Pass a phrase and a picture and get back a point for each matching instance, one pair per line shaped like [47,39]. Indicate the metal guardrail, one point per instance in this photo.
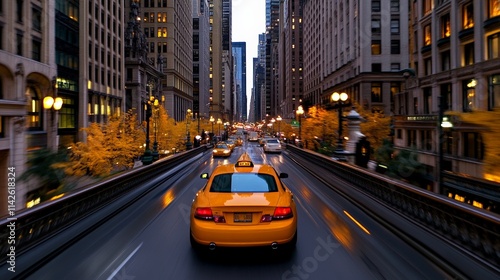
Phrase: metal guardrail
[34,225]
[474,229]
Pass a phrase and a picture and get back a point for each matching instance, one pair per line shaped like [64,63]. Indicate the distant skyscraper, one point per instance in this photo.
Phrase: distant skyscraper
[201,59]
[240,77]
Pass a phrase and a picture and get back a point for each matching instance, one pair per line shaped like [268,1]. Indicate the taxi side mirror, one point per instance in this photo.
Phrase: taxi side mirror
[283,175]
[204,176]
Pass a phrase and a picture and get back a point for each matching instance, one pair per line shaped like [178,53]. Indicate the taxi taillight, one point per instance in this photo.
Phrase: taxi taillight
[281,213]
[205,213]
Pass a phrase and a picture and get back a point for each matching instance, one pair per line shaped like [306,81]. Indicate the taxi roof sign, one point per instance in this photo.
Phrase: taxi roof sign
[244,161]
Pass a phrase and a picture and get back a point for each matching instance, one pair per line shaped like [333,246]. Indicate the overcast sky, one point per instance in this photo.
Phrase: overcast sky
[248,21]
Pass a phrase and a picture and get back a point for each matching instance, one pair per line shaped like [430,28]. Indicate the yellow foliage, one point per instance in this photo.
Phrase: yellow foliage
[109,147]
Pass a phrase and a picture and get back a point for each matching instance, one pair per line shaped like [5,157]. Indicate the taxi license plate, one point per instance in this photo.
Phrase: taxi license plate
[242,217]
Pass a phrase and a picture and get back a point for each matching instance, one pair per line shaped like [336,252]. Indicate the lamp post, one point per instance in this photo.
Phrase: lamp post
[156,112]
[279,126]
[443,123]
[219,122]
[212,120]
[189,144]
[300,112]
[53,104]
[272,124]
[147,157]
[340,98]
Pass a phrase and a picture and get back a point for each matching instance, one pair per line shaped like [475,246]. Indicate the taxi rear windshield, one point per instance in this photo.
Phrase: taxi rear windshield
[229,183]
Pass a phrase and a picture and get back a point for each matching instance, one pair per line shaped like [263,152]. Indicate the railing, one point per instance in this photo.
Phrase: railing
[474,229]
[34,225]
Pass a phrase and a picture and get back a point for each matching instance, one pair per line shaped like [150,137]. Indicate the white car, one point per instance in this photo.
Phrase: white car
[272,145]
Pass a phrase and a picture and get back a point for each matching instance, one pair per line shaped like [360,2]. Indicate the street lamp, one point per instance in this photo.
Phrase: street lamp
[189,115]
[147,157]
[219,122]
[279,126]
[156,114]
[52,104]
[300,112]
[340,98]
[272,124]
[212,120]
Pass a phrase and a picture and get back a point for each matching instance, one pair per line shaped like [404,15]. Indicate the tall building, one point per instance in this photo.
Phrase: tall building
[201,59]
[143,75]
[101,60]
[272,62]
[357,49]
[454,73]
[216,91]
[168,27]
[257,101]
[291,67]
[228,87]
[240,81]
[28,74]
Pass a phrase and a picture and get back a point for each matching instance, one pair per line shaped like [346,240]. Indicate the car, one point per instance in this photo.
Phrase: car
[243,205]
[230,143]
[221,150]
[272,145]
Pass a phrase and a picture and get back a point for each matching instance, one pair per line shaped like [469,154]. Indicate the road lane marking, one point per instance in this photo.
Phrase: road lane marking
[124,262]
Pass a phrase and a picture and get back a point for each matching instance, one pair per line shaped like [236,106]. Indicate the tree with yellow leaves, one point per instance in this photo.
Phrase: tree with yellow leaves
[109,147]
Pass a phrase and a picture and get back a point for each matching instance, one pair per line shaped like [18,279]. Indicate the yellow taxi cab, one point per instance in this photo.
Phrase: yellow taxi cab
[230,143]
[239,141]
[243,205]
[221,149]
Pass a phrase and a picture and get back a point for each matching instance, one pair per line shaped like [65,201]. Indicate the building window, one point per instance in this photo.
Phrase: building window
[395,47]
[394,6]
[376,67]
[19,44]
[427,35]
[376,6]
[494,92]
[445,26]
[36,52]
[394,26]
[428,66]
[411,140]
[34,110]
[376,29]
[67,114]
[395,89]
[376,92]
[19,11]
[447,97]
[427,6]
[469,93]
[427,101]
[468,56]
[494,46]
[473,145]
[445,61]
[36,19]
[426,140]
[2,133]
[468,16]
[395,67]
[494,8]
[376,47]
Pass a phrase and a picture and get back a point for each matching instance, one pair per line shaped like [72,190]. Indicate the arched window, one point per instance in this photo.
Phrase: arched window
[34,109]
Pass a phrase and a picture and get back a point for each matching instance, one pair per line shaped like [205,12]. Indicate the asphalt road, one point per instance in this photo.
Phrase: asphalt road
[150,240]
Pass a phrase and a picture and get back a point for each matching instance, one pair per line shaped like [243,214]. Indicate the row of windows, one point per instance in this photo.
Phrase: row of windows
[150,17]
[467,11]
[151,3]
[467,55]
[161,32]
[377,47]
[471,144]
